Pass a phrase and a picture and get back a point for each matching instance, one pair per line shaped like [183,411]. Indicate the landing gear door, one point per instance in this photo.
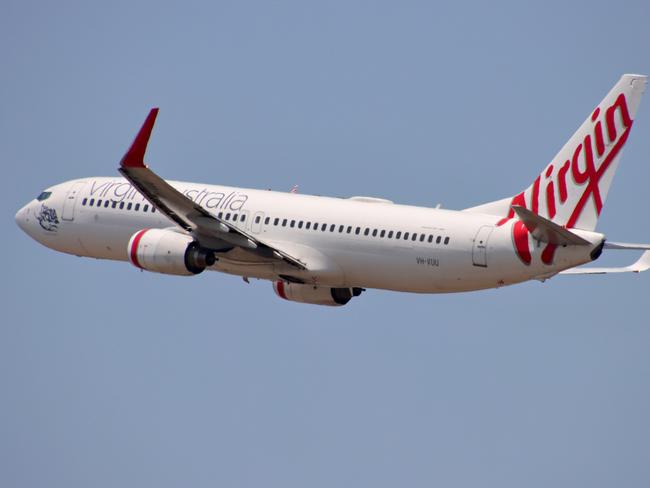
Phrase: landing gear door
[479,251]
[70,201]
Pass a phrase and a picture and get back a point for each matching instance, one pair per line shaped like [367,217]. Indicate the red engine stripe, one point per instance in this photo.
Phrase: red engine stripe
[280,287]
[133,254]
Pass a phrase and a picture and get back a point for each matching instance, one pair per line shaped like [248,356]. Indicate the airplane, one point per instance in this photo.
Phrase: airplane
[325,251]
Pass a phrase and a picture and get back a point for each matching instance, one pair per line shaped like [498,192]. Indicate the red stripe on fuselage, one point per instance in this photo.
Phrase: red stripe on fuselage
[520,238]
[548,253]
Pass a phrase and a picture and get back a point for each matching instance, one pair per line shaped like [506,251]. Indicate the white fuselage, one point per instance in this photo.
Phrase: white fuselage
[358,242]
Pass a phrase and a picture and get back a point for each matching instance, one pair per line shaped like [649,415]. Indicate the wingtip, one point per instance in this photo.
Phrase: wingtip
[643,263]
[134,157]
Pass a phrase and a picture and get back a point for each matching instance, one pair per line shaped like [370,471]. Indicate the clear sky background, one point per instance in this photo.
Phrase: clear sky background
[110,377]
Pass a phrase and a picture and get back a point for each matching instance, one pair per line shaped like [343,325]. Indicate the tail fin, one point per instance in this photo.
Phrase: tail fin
[572,189]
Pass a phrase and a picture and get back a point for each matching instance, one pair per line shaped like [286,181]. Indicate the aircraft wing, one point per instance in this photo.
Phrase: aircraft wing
[207,228]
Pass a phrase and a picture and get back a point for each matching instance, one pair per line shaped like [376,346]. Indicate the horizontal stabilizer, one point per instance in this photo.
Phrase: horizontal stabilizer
[546,231]
[642,264]
[625,245]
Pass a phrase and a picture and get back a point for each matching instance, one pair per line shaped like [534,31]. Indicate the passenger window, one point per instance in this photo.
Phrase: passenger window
[137,207]
[315,225]
[366,232]
[99,203]
[398,235]
[446,240]
[284,222]
[323,227]
[83,202]
[228,216]
[430,238]
[243,218]
[300,224]
[267,220]
[357,230]
[92,202]
[438,239]
[332,227]
[382,233]
[308,225]
[106,203]
[422,236]
[390,234]
[374,233]
[144,209]
[257,219]
[293,224]
[341,229]
[276,221]
[234,217]
[406,236]
[220,215]
[349,229]
[114,204]
[128,207]
[415,237]
[153,209]
[121,205]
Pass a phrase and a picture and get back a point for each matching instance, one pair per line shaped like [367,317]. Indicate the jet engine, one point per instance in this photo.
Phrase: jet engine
[169,252]
[316,295]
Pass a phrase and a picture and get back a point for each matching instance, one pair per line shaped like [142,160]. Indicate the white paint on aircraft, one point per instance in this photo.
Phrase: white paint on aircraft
[325,250]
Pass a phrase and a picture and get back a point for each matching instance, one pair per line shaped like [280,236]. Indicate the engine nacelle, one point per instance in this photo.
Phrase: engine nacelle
[168,252]
[316,295]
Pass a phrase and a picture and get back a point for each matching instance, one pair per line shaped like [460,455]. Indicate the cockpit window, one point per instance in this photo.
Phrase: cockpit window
[44,196]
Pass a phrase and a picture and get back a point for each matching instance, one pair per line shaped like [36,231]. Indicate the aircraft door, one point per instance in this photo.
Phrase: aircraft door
[256,224]
[479,251]
[70,201]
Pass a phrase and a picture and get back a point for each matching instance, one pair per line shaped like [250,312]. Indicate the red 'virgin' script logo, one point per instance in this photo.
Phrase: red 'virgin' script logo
[589,162]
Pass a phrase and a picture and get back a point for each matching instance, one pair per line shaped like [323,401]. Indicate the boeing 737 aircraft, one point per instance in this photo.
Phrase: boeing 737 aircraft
[324,250]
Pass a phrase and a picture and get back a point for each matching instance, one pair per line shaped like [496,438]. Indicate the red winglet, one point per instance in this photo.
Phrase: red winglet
[134,157]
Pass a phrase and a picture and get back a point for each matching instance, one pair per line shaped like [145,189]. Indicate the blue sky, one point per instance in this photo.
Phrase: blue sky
[112,377]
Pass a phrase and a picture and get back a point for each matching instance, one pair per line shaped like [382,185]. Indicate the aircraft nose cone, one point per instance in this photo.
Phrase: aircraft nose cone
[22,218]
